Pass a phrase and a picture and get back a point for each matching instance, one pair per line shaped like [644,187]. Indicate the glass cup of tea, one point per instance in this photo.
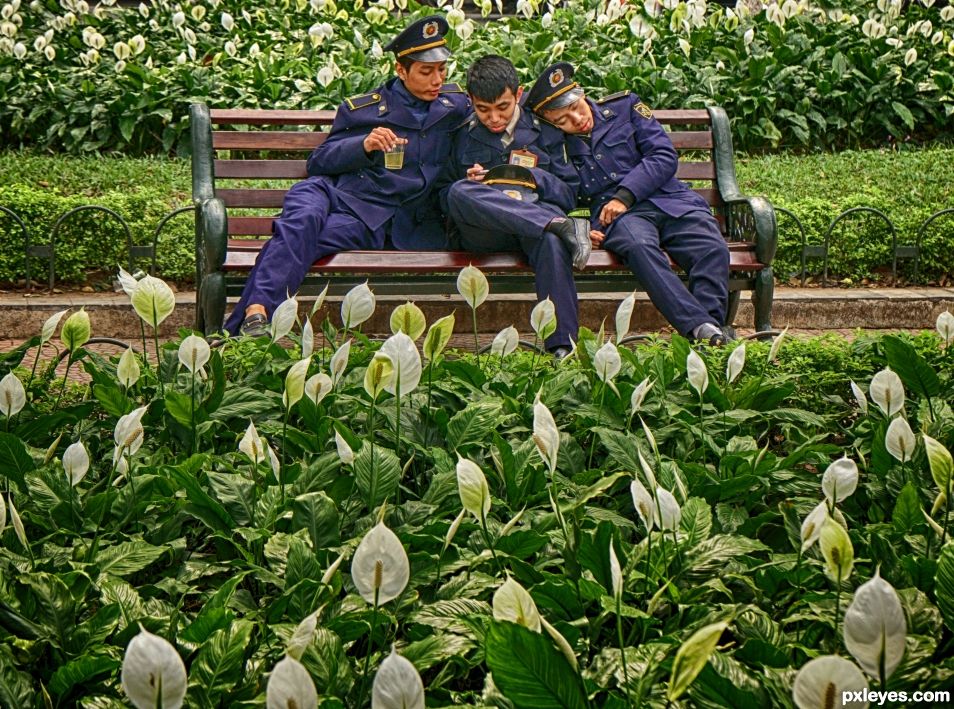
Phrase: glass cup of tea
[394,158]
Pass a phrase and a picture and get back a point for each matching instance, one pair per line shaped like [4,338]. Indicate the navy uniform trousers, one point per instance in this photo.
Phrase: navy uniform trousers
[490,220]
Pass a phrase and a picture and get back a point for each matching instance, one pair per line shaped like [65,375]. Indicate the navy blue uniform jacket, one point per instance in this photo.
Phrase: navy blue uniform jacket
[629,150]
[557,181]
[376,194]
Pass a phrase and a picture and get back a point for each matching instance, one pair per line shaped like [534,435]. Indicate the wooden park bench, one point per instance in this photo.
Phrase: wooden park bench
[268,148]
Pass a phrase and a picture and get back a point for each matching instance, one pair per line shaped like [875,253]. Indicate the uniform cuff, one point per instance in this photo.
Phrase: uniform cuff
[625,196]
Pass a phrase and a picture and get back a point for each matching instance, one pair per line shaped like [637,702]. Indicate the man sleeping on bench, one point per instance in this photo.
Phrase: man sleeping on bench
[361,193]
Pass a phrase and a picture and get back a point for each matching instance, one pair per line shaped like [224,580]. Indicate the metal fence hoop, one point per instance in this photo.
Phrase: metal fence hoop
[803,240]
[71,212]
[920,235]
[26,241]
[844,215]
[155,237]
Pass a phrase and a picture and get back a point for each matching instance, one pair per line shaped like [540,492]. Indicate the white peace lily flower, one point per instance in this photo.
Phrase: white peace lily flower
[397,685]
[75,463]
[407,364]
[607,362]
[376,51]
[138,44]
[119,67]
[12,395]
[940,461]
[887,392]
[644,464]
[947,13]
[472,488]
[49,52]
[178,19]
[910,56]
[307,339]
[295,382]
[128,434]
[543,318]
[684,46]
[3,514]
[345,454]
[812,525]
[153,673]
[777,345]
[284,318]
[875,627]
[153,300]
[937,38]
[331,570]
[859,397]
[228,22]
[251,444]
[230,48]
[357,306]
[466,30]
[17,523]
[197,12]
[318,387]
[505,342]
[837,550]
[127,281]
[194,353]
[748,36]
[122,50]
[325,76]
[409,319]
[945,321]
[512,603]
[616,573]
[624,315]
[696,373]
[339,362]
[644,504]
[840,480]
[667,513]
[380,568]
[120,463]
[900,440]
[75,331]
[39,43]
[735,363]
[639,394]
[546,434]
[290,686]
[950,48]
[273,461]
[825,677]
[473,286]
[455,17]
[379,374]
[302,637]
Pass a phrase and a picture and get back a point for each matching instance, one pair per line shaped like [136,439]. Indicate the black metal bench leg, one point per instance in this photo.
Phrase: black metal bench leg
[762,299]
[732,308]
[210,303]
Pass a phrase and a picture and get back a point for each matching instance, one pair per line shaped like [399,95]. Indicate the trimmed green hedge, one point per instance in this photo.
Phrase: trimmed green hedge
[908,186]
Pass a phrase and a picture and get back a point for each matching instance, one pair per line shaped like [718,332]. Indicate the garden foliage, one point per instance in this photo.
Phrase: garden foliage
[84,77]
[653,526]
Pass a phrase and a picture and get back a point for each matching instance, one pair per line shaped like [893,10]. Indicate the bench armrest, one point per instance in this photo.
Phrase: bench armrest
[211,236]
[752,219]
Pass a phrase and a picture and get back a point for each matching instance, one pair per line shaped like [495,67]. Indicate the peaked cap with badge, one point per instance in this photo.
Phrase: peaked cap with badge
[554,88]
[514,181]
[422,41]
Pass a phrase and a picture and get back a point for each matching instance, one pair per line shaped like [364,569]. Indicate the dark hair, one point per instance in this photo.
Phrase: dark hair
[490,76]
[406,62]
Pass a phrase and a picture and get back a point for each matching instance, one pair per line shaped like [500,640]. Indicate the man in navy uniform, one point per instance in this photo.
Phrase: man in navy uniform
[352,199]
[639,210]
[497,214]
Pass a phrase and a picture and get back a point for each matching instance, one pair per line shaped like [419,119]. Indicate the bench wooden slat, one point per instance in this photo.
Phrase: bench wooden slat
[692,139]
[259,117]
[695,171]
[681,116]
[250,226]
[252,198]
[261,169]
[242,253]
[267,140]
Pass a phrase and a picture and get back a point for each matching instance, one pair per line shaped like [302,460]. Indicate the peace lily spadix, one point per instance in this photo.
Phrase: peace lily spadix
[295,383]
[696,373]
[12,395]
[380,568]
[837,550]
[887,392]
[407,364]
[639,394]
[473,286]
[607,362]
[644,504]
[345,454]
[153,673]
[512,603]
[546,434]
[194,353]
[75,462]
[945,326]
[357,306]
[735,363]
[438,335]
[860,397]
[153,300]
[339,362]
[318,387]
[409,319]
[127,371]
[543,318]
[505,342]
[284,317]
[875,628]
[899,439]
[624,315]
[251,445]
[821,682]
[667,512]
[472,488]
[397,685]
[379,375]
[840,480]
[290,686]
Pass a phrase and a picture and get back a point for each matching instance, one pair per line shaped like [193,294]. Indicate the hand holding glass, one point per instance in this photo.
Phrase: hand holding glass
[394,158]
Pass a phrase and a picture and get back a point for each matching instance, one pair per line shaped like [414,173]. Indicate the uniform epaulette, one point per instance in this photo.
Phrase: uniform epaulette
[470,122]
[613,97]
[451,89]
[364,100]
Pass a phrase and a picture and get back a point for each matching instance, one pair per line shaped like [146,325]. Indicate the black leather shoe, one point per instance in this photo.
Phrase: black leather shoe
[255,325]
[560,353]
[728,332]
[575,235]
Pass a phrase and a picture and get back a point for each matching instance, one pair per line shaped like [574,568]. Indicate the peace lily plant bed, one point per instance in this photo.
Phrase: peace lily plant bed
[314,518]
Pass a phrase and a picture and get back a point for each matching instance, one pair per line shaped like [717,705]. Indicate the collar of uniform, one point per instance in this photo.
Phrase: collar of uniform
[602,120]
[514,120]
[409,99]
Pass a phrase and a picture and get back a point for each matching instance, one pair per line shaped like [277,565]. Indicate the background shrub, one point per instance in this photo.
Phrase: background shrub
[789,73]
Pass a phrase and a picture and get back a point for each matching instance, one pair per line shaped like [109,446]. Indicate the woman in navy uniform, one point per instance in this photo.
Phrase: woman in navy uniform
[351,200]
[492,216]
[638,209]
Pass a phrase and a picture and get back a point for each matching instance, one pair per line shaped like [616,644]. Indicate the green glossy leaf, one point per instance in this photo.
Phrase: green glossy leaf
[316,512]
[473,424]
[127,558]
[15,462]
[907,509]
[530,671]
[915,372]
[944,584]
[80,670]
[692,656]
[378,477]
[220,664]
[696,521]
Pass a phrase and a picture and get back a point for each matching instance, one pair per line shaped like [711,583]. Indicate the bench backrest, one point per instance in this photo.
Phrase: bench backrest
[250,157]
